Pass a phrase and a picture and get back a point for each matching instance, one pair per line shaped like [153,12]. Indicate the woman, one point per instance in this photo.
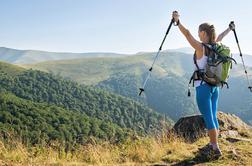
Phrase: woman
[206,95]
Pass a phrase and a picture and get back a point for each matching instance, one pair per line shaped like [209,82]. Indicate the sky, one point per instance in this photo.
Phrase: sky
[120,26]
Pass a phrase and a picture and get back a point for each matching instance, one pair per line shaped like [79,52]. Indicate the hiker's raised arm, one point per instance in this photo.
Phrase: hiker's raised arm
[193,42]
[224,33]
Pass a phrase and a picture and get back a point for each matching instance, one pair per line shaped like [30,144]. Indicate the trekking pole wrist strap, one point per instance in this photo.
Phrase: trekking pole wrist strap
[176,23]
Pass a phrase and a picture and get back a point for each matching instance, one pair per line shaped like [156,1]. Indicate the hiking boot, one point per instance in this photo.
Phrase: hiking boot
[209,152]
[216,153]
[206,148]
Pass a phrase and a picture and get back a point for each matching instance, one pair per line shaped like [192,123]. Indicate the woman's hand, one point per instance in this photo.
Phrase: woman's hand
[175,16]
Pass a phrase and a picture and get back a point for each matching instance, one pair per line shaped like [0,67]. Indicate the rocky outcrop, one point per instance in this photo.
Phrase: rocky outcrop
[192,127]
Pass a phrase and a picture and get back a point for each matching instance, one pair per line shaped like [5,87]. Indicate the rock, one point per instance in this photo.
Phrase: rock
[229,133]
[192,127]
[232,139]
[229,121]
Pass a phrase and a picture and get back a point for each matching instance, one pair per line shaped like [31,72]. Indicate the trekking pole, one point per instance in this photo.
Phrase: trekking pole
[160,48]
[236,38]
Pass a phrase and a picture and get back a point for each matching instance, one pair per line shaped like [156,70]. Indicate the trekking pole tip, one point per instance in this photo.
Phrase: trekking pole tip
[141,90]
[250,88]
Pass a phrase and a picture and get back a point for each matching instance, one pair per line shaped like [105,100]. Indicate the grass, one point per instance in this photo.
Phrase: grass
[141,151]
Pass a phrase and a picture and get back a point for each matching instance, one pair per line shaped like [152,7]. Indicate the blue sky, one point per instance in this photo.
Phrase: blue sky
[122,26]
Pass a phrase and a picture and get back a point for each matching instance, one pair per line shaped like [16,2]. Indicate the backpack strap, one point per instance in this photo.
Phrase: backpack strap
[224,83]
[195,60]
[195,57]
[210,47]
[196,73]
[232,59]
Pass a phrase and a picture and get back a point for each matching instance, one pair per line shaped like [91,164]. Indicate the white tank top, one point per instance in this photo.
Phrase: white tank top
[202,64]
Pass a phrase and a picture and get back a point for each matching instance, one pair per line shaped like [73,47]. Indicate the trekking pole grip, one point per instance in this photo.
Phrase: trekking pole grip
[233,29]
[174,23]
[230,25]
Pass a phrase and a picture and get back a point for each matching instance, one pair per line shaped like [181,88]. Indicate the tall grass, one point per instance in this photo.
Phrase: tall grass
[166,147]
[137,150]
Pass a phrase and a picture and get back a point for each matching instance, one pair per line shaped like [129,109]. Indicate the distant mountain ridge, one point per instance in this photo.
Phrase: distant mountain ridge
[16,56]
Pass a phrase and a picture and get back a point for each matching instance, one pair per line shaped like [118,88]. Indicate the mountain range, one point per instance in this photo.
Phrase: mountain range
[166,91]
[16,56]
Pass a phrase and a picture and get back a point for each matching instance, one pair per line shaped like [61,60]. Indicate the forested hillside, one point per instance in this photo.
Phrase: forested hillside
[40,123]
[33,94]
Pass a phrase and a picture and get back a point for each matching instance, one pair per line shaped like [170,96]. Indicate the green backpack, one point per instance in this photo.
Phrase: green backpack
[216,71]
